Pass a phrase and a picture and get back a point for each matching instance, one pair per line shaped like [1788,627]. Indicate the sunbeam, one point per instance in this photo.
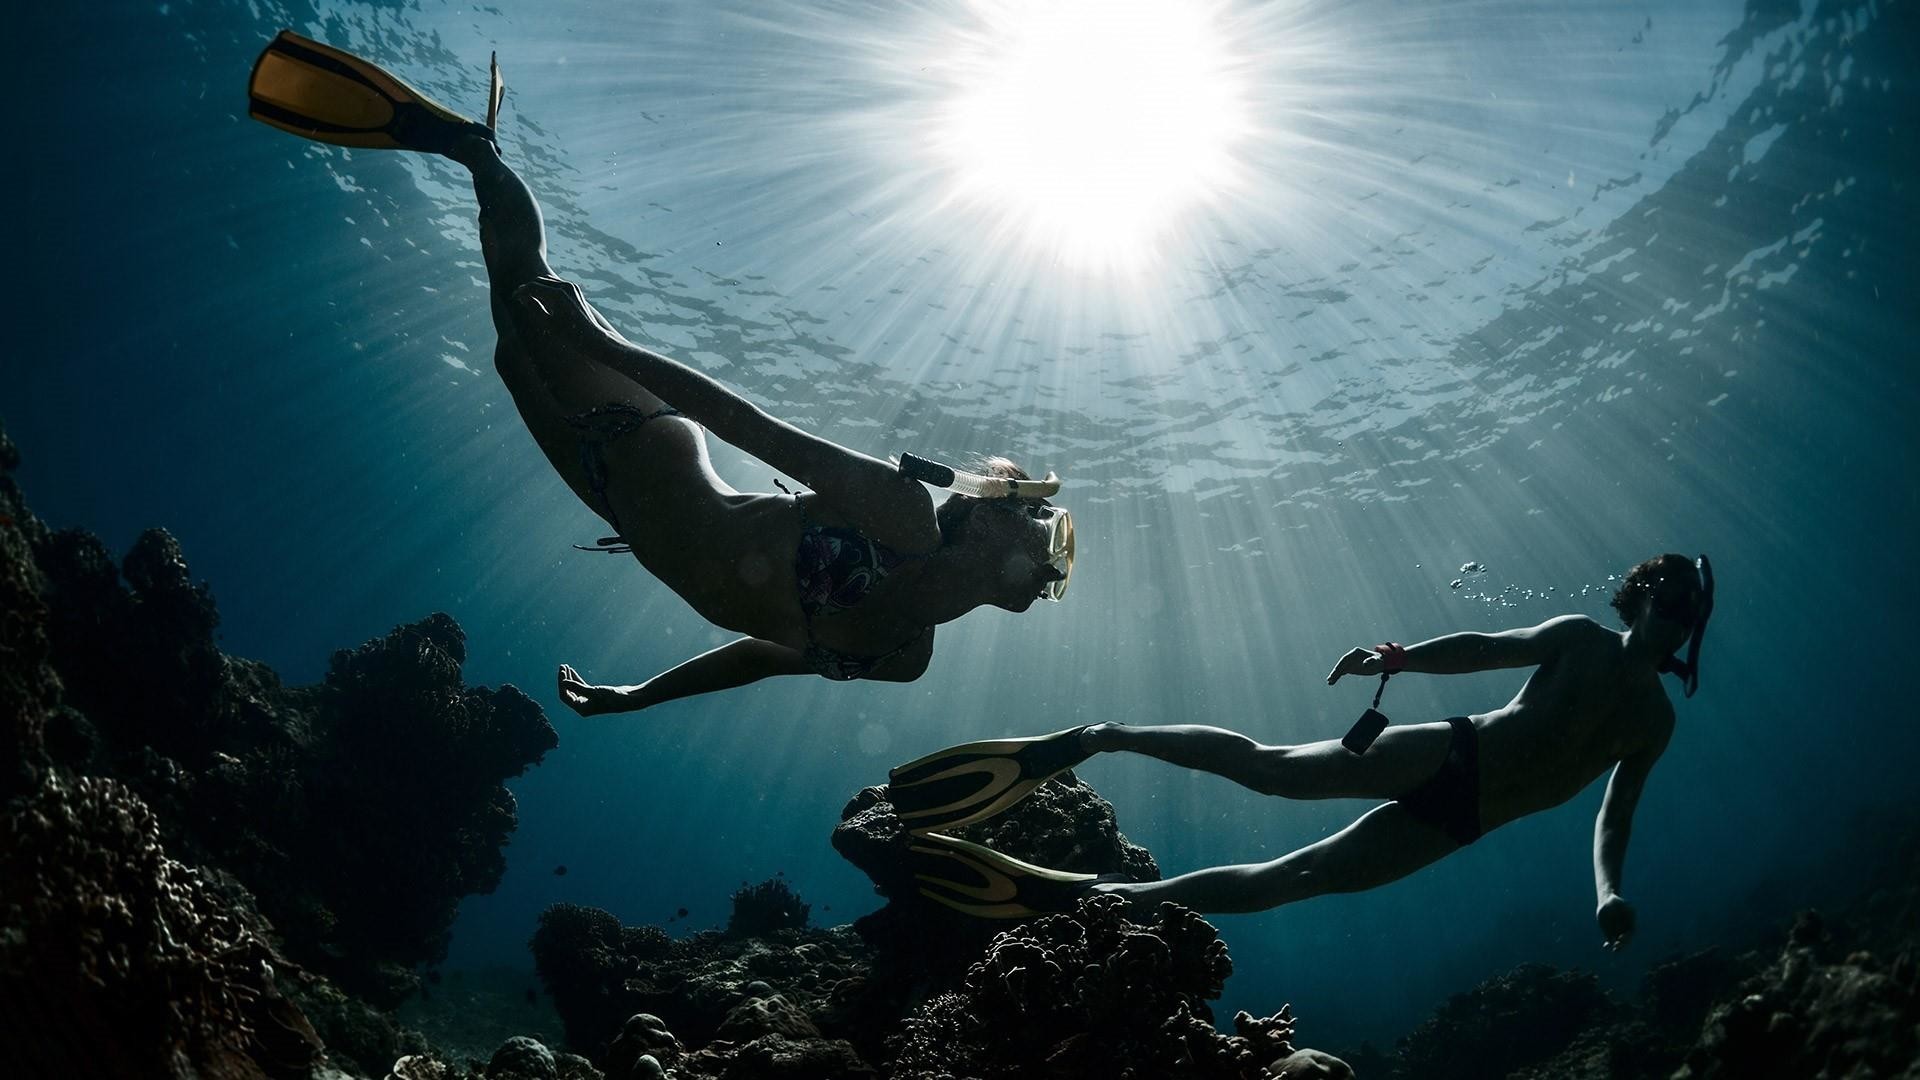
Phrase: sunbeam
[1091,124]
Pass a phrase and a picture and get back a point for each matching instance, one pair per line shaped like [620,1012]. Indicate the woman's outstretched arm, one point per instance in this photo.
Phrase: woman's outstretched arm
[736,663]
[552,315]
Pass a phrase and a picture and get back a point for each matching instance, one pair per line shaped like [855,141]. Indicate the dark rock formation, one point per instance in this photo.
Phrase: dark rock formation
[643,1049]
[775,1057]
[117,960]
[764,908]
[1813,1012]
[1063,824]
[358,812]
[1513,1020]
[1815,1005]
[600,974]
[189,845]
[519,1058]
[1091,994]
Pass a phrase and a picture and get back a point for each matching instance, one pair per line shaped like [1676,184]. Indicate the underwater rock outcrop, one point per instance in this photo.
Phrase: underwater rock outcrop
[1091,994]
[1513,1020]
[518,1058]
[358,812]
[117,960]
[1815,1012]
[625,991]
[191,848]
[1815,1005]
[1064,824]
[764,908]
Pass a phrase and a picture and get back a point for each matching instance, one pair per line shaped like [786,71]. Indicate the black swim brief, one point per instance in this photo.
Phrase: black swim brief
[1450,798]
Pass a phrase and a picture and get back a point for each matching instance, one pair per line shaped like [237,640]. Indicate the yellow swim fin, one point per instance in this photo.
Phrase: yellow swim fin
[974,781]
[326,94]
[979,881]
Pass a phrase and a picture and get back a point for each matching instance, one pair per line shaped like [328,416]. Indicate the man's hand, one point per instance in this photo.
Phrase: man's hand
[1616,922]
[1356,662]
[587,699]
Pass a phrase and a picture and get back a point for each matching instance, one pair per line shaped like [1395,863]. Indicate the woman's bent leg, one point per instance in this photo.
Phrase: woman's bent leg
[513,237]
[563,400]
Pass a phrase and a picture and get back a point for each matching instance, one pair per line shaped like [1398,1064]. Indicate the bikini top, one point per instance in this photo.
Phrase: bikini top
[834,568]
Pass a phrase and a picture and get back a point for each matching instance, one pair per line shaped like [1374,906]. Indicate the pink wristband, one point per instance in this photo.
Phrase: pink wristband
[1393,658]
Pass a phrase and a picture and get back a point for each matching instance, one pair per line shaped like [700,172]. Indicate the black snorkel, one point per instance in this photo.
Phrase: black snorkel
[1689,669]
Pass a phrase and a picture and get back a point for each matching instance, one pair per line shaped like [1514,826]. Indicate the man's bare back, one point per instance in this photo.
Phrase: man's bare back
[1579,714]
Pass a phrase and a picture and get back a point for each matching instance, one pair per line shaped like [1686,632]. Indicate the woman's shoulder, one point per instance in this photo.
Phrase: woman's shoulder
[902,525]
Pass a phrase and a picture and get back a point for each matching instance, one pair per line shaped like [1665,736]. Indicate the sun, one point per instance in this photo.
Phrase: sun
[1092,125]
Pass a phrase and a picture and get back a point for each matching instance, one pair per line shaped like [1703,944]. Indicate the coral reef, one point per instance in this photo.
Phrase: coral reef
[918,944]
[191,848]
[519,1058]
[764,908]
[1814,1012]
[121,961]
[358,812]
[802,983]
[1091,994]
[1524,1016]
[1814,1005]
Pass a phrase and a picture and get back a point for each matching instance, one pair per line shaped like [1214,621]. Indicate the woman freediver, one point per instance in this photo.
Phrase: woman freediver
[846,581]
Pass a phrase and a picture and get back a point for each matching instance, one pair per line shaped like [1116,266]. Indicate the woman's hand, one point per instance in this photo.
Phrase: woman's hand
[1616,922]
[1356,662]
[590,700]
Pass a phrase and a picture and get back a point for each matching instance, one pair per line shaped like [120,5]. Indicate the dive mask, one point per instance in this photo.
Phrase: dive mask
[1059,550]
[1689,669]
[1059,523]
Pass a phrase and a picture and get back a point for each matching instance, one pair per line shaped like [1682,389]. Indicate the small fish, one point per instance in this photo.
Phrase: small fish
[681,914]
[560,871]
[531,996]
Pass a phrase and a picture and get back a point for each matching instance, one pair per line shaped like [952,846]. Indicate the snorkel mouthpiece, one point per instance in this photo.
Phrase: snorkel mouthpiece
[1689,670]
[980,487]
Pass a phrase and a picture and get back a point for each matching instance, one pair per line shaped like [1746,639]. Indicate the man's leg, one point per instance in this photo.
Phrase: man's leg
[1386,844]
[1400,760]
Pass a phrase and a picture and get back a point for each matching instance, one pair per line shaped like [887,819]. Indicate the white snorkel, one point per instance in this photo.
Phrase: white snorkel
[1059,523]
[980,487]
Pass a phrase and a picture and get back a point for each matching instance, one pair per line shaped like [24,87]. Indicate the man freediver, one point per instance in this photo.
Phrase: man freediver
[1593,702]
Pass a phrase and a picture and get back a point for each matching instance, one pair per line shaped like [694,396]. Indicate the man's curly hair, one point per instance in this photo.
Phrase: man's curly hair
[1648,578]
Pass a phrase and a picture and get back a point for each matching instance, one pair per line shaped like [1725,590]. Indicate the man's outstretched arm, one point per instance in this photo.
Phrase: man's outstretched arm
[1457,654]
[1611,831]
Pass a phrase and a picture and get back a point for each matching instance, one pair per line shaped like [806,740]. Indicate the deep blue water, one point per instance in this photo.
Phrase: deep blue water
[1546,286]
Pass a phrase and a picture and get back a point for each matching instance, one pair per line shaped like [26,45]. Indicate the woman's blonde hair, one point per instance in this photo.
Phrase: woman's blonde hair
[952,515]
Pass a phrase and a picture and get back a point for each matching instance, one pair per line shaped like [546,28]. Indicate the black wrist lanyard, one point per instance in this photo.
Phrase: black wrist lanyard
[1371,723]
